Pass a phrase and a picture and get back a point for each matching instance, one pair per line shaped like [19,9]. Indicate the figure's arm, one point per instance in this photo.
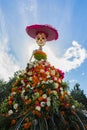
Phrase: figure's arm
[32,56]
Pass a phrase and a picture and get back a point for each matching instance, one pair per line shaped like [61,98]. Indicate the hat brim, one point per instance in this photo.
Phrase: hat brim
[51,32]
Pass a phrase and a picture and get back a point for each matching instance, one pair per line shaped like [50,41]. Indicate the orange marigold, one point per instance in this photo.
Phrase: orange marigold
[13,122]
[40,98]
[27,125]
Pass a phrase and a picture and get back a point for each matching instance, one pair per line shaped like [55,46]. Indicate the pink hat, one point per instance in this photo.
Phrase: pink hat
[50,32]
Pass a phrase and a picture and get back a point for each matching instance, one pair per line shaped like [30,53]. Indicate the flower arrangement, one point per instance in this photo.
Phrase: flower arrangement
[34,89]
[37,92]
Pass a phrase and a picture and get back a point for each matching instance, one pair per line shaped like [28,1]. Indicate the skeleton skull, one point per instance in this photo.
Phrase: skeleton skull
[41,39]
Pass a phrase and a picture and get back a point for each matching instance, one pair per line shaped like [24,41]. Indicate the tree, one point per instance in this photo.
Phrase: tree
[79,95]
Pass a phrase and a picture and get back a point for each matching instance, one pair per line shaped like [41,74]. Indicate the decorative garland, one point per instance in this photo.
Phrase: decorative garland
[38,55]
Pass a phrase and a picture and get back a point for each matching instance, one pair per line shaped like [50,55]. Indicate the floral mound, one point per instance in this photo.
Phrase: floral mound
[39,101]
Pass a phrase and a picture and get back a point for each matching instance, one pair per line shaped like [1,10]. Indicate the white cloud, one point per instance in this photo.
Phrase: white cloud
[72,81]
[28,11]
[83,74]
[73,57]
[8,64]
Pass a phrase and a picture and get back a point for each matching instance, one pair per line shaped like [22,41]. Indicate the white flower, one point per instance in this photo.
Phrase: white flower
[16,110]
[23,83]
[23,91]
[35,65]
[56,85]
[54,92]
[61,89]
[53,72]
[30,73]
[42,70]
[50,81]
[48,76]
[38,84]
[47,73]
[22,95]
[44,96]
[68,92]
[30,78]
[13,93]
[37,94]
[73,106]
[15,106]
[40,78]
[38,108]
[46,82]
[48,103]
[10,112]
[43,81]
[62,92]
[30,65]
[28,86]
[55,78]
[42,60]
[48,99]
[42,104]
[46,63]
[18,77]
[26,97]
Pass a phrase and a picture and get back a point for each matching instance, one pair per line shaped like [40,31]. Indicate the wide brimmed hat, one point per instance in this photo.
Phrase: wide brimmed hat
[50,32]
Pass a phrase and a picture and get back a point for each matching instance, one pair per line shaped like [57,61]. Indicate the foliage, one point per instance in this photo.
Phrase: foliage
[2,84]
[5,87]
[79,95]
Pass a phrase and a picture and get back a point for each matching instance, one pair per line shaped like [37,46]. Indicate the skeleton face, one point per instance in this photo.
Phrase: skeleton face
[41,39]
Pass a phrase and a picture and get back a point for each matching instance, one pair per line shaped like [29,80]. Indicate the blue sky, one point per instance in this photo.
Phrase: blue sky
[69,52]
